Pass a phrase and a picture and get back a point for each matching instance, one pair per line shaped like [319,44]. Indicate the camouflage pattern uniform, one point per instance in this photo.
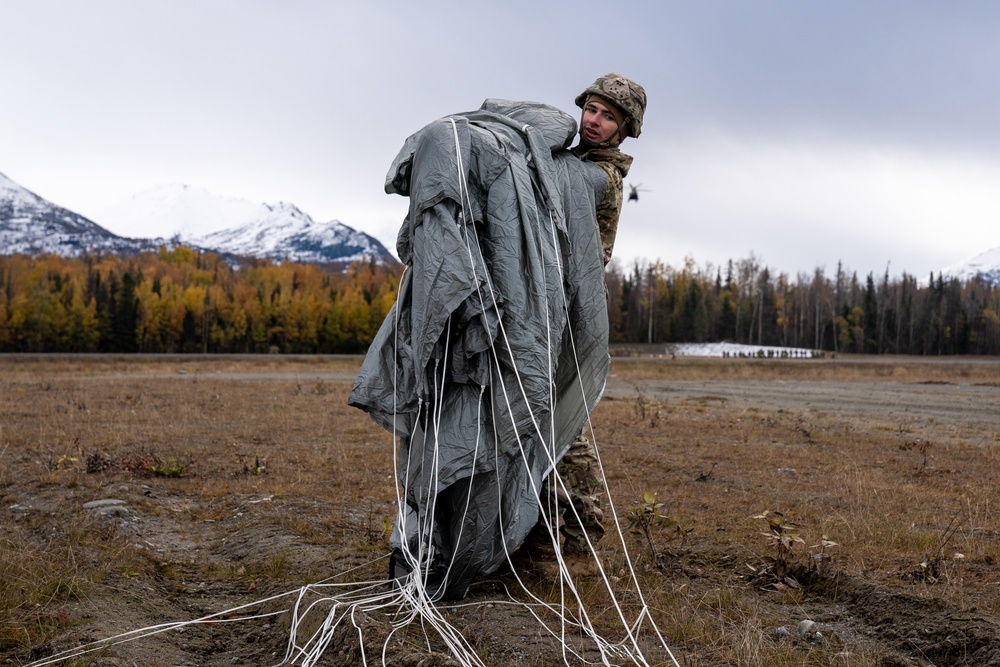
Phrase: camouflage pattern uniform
[616,164]
[630,99]
[581,474]
[579,467]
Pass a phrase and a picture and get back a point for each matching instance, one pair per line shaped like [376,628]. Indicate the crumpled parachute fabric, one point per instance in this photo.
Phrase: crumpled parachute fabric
[497,347]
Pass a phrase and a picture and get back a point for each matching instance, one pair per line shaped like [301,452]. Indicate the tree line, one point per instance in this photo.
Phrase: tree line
[747,302]
[180,300]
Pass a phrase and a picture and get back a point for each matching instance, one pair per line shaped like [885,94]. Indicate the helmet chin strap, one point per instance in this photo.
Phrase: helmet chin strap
[603,144]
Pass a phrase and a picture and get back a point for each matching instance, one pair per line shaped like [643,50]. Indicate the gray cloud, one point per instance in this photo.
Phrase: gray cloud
[763,115]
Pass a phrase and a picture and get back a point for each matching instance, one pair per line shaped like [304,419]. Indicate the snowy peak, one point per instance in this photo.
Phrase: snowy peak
[262,231]
[282,231]
[20,205]
[986,264]
[279,231]
[176,210]
[9,190]
[31,225]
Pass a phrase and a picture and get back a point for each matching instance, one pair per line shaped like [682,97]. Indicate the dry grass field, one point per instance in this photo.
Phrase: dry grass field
[856,493]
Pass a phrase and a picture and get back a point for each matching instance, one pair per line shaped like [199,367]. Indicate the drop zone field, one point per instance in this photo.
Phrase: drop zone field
[855,492]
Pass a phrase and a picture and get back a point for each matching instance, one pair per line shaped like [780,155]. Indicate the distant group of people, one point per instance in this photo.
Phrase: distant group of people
[775,354]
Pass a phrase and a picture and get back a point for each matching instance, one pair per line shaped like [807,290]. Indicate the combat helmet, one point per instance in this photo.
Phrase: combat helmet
[624,93]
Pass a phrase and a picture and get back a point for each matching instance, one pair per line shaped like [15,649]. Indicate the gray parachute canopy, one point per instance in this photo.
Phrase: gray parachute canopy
[496,349]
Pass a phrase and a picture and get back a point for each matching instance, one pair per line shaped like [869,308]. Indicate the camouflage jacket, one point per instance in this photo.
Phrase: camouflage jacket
[616,164]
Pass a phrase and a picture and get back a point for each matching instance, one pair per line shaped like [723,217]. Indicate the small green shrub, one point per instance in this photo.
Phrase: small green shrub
[169,467]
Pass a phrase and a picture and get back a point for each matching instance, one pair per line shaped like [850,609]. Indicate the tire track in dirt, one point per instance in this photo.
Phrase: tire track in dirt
[963,405]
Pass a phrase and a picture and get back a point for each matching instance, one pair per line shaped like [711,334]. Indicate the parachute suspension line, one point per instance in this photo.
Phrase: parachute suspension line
[315,646]
[466,206]
[550,453]
[559,484]
[572,508]
[408,600]
[472,475]
[395,394]
[142,633]
[467,213]
[413,593]
[550,450]
[558,478]
[426,552]
[431,416]
[565,579]
[566,583]
[402,514]
[310,654]
[414,590]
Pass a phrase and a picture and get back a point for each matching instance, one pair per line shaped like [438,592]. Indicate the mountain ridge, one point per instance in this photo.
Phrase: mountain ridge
[30,224]
[985,264]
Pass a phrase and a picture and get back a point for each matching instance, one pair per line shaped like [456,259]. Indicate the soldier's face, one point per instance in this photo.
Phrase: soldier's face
[598,124]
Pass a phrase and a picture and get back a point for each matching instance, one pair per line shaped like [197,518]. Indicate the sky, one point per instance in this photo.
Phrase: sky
[803,134]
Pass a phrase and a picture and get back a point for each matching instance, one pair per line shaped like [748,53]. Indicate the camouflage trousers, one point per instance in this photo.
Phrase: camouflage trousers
[580,474]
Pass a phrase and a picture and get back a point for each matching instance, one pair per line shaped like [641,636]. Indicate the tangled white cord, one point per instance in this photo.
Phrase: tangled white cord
[408,599]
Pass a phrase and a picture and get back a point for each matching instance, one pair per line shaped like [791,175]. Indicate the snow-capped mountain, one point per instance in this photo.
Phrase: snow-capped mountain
[240,227]
[986,264]
[31,225]
[180,213]
[176,209]
[282,231]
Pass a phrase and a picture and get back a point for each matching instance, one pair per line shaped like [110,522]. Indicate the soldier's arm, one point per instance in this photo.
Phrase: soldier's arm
[610,208]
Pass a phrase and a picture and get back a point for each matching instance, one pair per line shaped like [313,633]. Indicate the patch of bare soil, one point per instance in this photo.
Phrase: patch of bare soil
[163,490]
[913,630]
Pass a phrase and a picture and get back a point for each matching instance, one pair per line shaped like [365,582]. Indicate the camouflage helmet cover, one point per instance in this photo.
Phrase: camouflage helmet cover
[624,93]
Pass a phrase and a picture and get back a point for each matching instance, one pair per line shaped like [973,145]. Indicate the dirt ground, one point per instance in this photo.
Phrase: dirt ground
[139,491]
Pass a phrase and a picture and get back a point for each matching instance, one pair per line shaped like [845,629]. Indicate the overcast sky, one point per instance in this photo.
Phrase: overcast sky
[806,133]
